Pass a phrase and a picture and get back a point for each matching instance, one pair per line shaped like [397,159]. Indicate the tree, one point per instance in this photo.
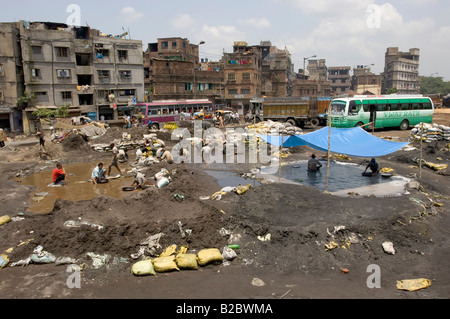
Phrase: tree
[392,91]
[28,99]
[60,112]
[434,85]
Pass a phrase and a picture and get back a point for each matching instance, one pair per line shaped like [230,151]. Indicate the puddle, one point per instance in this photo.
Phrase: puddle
[344,178]
[226,178]
[78,186]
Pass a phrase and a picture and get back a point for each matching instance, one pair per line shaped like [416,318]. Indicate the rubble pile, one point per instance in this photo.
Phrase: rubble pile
[275,128]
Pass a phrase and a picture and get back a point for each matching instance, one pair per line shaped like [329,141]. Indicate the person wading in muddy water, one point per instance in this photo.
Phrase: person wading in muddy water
[115,160]
[98,173]
[59,175]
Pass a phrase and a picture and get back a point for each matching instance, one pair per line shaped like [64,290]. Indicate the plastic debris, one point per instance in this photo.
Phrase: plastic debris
[258,282]
[5,219]
[40,256]
[228,253]
[98,260]
[413,284]
[388,248]
[3,261]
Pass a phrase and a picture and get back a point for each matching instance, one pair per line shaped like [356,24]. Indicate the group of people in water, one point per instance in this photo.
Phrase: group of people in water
[101,175]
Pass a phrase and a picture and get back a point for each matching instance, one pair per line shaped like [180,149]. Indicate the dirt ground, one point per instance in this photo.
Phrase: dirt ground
[283,231]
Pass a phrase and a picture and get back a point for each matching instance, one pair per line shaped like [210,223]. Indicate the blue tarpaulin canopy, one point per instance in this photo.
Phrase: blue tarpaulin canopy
[352,142]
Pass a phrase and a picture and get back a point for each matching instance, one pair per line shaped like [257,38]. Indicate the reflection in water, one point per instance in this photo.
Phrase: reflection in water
[78,187]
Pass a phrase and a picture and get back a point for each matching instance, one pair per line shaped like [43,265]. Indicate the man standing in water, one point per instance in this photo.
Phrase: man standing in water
[115,160]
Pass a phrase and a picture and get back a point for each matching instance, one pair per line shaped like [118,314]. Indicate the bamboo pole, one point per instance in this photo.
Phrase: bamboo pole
[421,151]
[279,158]
[329,147]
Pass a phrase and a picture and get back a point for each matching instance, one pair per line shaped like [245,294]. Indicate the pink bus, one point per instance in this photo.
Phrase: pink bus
[158,113]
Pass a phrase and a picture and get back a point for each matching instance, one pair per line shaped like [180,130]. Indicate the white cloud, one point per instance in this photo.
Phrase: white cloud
[183,21]
[258,23]
[216,37]
[130,15]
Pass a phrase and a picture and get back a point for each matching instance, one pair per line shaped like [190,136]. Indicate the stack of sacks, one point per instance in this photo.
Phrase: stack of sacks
[431,132]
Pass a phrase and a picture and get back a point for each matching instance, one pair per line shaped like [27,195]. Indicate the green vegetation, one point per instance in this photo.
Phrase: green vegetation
[60,112]
[434,85]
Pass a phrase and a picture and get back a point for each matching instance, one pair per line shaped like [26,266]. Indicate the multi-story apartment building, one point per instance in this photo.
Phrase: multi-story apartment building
[277,70]
[401,71]
[94,73]
[340,79]
[11,77]
[243,76]
[318,70]
[173,71]
[365,82]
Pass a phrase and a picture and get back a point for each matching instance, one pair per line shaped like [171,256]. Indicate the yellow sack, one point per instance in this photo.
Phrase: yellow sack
[169,251]
[242,189]
[143,268]
[207,256]
[187,261]
[165,264]
[413,284]
[4,220]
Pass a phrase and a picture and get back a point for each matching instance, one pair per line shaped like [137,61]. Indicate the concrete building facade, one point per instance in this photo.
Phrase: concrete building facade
[93,73]
[340,79]
[401,71]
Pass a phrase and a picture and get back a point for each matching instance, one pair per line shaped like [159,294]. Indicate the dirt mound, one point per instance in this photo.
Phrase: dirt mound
[75,142]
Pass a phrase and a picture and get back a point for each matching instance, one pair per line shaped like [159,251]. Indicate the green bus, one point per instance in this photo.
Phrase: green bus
[402,111]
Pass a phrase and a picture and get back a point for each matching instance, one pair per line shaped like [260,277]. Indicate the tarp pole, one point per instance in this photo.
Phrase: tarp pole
[279,158]
[421,152]
[329,146]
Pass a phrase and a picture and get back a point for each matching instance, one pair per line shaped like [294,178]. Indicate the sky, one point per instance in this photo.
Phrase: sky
[343,32]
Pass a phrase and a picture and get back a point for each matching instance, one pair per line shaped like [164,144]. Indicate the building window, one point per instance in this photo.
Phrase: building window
[66,95]
[41,96]
[232,91]
[174,45]
[103,74]
[164,45]
[1,70]
[210,86]
[127,92]
[1,96]
[123,55]
[188,86]
[62,52]
[245,91]
[246,77]
[36,73]
[102,53]
[231,77]
[125,75]
[37,50]
[63,73]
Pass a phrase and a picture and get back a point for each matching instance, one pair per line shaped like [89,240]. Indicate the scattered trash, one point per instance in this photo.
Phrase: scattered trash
[143,268]
[65,261]
[40,256]
[169,251]
[98,260]
[203,198]
[388,248]
[258,282]
[3,261]
[164,181]
[208,256]
[345,270]
[228,253]
[23,262]
[234,247]
[413,284]
[179,197]
[4,220]
[265,238]
[76,224]
[330,246]
[148,246]
[242,189]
